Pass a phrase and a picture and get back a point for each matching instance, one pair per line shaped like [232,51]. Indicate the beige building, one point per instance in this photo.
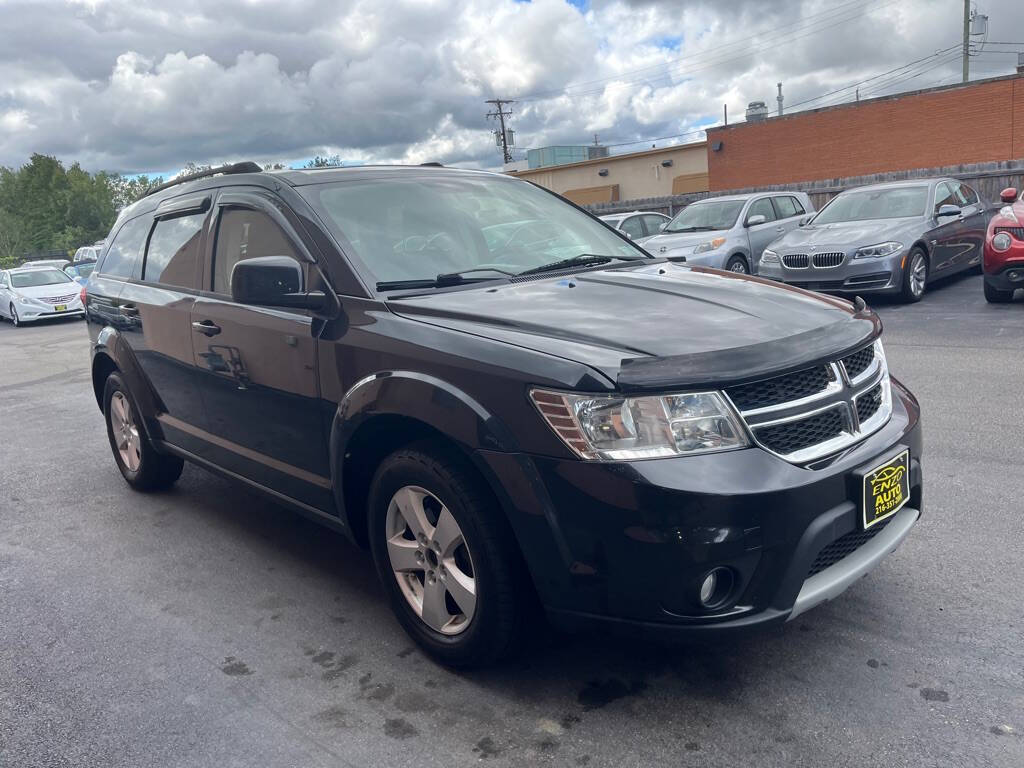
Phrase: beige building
[652,173]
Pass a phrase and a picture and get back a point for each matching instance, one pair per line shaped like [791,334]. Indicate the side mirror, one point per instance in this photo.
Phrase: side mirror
[757,218]
[947,210]
[803,221]
[1008,195]
[627,234]
[77,278]
[661,227]
[272,281]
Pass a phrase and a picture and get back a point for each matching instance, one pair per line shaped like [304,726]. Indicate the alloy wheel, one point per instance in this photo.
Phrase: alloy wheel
[14,316]
[126,432]
[430,560]
[918,274]
[738,266]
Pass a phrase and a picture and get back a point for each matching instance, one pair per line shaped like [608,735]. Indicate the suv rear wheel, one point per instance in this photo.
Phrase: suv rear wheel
[446,556]
[141,465]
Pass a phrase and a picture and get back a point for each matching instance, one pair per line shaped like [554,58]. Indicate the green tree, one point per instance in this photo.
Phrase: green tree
[327,161]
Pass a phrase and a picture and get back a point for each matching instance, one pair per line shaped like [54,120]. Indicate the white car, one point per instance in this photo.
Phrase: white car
[33,293]
[638,225]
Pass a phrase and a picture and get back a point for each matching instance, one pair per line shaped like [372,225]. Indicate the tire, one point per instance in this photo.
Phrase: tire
[14,316]
[995,296]
[915,276]
[479,610]
[737,264]
[142,467]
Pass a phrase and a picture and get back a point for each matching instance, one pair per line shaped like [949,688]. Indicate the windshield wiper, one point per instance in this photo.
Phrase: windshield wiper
[441,281]
[581,260]
[690,229]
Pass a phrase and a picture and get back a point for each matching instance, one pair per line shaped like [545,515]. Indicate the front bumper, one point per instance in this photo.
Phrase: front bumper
[1008,277]
[881,275]
[625,545]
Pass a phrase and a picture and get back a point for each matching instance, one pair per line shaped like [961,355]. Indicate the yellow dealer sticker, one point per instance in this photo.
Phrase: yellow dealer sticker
[886,489]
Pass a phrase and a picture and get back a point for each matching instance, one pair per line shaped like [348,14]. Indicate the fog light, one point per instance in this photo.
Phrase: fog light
[1014,275]
[716,587]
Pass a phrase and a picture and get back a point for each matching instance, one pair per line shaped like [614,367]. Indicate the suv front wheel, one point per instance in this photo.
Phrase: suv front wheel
[446,556]
[141,465]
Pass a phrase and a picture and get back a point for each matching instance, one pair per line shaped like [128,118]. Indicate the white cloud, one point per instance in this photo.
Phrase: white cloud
[138,85]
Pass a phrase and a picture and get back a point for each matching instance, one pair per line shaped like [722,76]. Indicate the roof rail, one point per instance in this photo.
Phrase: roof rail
[245,167]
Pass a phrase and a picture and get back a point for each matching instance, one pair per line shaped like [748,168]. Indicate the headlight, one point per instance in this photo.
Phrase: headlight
[878,251]
[710,245]
[1002,242]
[768,256]
[617,428]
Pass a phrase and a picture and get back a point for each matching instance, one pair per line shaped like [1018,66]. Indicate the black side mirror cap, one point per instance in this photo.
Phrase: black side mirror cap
[273,281]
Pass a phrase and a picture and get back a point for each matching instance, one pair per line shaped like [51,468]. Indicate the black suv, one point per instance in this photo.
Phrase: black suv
[508,402]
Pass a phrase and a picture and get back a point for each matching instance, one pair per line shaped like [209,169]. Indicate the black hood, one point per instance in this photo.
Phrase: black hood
[656,325]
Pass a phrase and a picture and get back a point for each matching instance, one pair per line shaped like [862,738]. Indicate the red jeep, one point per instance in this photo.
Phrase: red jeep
[1004,249]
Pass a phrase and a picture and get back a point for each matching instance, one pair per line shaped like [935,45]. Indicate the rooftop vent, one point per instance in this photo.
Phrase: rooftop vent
[756,111]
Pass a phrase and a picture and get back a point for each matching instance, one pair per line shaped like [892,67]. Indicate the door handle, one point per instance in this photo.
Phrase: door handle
[129,309]
[206,327]
[780,229]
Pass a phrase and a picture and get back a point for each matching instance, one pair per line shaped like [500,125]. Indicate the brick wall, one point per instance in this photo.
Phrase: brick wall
[975,123]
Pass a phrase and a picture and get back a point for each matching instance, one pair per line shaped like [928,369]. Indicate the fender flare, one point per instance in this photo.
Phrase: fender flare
[110,345]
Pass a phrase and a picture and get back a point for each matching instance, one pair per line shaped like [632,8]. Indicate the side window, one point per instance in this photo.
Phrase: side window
[967,195]
[654,224]
[126,249]
[173,253]
[944,195]
[245,234]
[633,226]
[785,206]
[762,207]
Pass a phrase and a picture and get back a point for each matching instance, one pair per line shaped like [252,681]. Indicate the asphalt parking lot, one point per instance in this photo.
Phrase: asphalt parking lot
[208,627]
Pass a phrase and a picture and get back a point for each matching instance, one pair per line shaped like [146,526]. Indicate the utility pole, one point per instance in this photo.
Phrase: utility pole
[501,115]
[967,39]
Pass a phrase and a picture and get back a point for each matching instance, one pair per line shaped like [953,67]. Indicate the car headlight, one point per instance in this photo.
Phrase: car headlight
[878,250]
[710,245]
[618,428]
[768,256]
[1002,241]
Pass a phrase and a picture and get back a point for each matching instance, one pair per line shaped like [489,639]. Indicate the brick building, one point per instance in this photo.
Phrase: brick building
[982,121]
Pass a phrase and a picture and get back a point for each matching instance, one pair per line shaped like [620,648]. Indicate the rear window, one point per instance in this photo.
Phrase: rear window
[38,277]
[126,249]
[173,253]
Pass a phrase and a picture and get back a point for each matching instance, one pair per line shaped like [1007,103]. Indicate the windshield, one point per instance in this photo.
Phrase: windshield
[706,216]
[417,228]
[867,204]
[38,277]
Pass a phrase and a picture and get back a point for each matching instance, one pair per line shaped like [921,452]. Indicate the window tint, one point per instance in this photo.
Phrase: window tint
[944,195]
[762,207]
[126,249]
[244,234]
[173,252]
[654,224]
[967,195]
[633,227]
[785,207]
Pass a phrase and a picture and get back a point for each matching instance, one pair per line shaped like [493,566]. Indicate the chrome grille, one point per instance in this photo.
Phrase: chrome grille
[817,412]
[796,260]
[828,260]
[59,299]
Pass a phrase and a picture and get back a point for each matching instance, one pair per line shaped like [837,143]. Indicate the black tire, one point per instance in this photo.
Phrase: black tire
[913,291]
[503,592]
[738,264]
[995,296]
[14,316]
[155,471]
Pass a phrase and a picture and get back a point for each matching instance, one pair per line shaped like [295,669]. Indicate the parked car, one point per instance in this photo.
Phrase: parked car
[80,271]
[884,238]
[638,224]
[86,253]
[504,426]
[730,232]
[1004,250]
[28,294]
[58,263]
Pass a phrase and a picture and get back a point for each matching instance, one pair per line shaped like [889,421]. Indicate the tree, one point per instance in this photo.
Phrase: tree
[328,161]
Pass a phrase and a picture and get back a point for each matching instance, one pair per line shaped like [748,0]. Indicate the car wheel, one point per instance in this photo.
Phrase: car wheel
[141,465]
[995,296]
[738,264]
[915,276]
[447,557]
[14,316]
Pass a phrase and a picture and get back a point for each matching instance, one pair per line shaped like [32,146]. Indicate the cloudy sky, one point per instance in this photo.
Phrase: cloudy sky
[145,86]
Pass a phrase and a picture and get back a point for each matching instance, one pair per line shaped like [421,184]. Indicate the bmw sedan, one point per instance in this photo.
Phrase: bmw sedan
[28,294]
[885,238]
